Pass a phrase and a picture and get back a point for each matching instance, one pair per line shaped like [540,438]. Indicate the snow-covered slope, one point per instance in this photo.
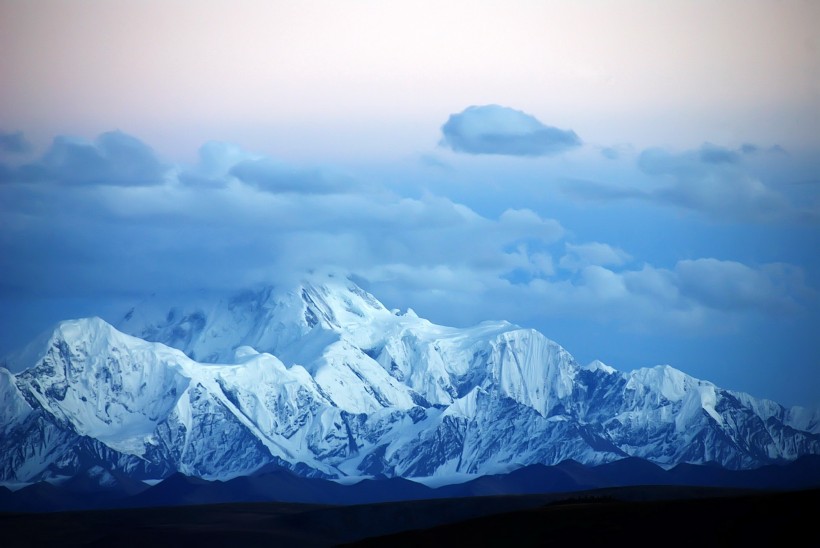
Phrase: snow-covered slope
[268,319]
[322,379]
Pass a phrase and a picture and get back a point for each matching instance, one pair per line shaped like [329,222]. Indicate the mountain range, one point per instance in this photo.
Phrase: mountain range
[320,380]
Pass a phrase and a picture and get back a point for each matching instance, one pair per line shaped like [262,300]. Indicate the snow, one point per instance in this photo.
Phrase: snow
[598,365]
[115,387]
[322,374]
[665,380]
[532,369]
[804,418]
[464,407]
[242,353]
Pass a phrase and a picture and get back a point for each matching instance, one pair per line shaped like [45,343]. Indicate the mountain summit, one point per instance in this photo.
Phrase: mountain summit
[321,379]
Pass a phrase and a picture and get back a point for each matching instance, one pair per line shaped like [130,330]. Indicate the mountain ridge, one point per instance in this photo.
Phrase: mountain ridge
[323,380]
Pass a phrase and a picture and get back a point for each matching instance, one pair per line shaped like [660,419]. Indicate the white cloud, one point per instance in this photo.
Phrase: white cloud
[578,256]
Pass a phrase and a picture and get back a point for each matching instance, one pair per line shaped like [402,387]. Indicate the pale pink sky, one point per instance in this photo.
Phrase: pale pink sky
[338,78]
[701,253]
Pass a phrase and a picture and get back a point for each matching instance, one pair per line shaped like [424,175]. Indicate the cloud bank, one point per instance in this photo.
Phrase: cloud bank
[493,129]
[109,218]
[115,158]
[712,181]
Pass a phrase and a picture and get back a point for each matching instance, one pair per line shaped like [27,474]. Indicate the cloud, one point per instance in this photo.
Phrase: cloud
[729,285]
[694,295]
[115,158]
[222,163]
[233,219]
[525,262]
[493,129]
[733,197]
[659,161]
[749,148]
[711,180]
[658,285]
[272,176]
[610,153]
[713,154]
[702,295]
[448,260]
[706,159]
[595,191]
[723,286]
[216,159]
[431,160]
[593,253]
[14,142]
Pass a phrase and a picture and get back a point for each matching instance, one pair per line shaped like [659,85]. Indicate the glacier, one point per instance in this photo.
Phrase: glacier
[321,379]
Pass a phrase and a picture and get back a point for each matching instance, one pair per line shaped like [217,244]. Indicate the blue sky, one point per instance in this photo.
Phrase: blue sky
[639,182]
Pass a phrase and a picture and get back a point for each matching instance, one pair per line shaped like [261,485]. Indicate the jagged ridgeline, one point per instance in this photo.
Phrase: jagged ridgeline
[323,380]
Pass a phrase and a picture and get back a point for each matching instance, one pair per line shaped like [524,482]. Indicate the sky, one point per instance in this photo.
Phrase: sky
[639,181]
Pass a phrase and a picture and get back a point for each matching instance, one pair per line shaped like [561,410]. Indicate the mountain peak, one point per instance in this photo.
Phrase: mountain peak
[334,302]
[318,376]
[108,385]
[598,365]
[270,318]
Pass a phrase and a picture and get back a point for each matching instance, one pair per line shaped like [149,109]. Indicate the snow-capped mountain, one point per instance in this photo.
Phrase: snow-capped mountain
[323,380]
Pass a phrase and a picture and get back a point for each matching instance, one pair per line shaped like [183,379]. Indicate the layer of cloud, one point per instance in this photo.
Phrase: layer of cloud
[592,253]
[220,225]
[14,142]
[711,180]
[610,153]
[235,218]
[647,299]
[115,158]
[216,159]
[493,129]
[729,285]
[272,176]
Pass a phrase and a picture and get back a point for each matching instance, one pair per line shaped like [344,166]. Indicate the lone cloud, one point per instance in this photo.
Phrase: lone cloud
[493,129]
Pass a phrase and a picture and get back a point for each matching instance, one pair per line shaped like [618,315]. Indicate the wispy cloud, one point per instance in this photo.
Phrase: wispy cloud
[730,285]
[592,253]
[14,142]
[711,180]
